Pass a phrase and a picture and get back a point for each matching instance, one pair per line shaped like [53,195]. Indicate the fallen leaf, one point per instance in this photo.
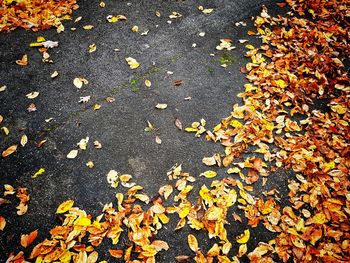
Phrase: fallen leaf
[65,206]
[72,154]
[40,172]
[9,151]
[26,240]
[32,95]
[161,106]
[178,82]
[3,88]
[114,19]
[6,130]
[31,107]
[243,238]
[97,145]
[54,74]
[175,15]
[132,62]
[112,178]
[209,161]
[158,140]
[79,81]
[88,27]
[2,223]
[178,124]
[92,48]
[116,253]
[97,107]
[148,83]
[135,29]
[165,191]
[23,61]
[90,164]
[209,174]
[192,242]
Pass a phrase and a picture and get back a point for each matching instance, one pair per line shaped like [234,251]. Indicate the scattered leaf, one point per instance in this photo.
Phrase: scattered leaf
[9,151]
[65,206]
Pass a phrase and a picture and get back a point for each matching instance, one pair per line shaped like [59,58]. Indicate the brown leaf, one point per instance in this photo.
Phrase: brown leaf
[182,258]
[178,124]
[178,82]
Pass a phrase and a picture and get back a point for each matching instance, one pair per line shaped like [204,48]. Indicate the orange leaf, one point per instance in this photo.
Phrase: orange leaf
[26,240]
[117,253]
[9,151]
[2,223]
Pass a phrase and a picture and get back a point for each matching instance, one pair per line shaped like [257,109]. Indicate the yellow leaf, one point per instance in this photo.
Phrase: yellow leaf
[249,46]
[236,124]
[114,19]
[243,238]
[24,140]
[192,242]
[41,171]
[72,154]
[281,83]
[82,221]
[65,206]
[184,212]
[148,83]
[132,62]
[209,174]
[88,27]
[6,131]
[97,107]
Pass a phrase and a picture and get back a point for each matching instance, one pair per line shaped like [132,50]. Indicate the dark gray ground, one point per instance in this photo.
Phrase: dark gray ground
[119,126]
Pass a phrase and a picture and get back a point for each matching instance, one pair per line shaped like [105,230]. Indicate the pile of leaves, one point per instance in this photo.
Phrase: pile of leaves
[34,14]
[299,63]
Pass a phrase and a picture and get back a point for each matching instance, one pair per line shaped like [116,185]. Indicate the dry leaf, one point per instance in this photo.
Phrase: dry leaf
[92,48]
[90,164]
[116,253]
[178,124]
[31,107]
[88,27]
[243,238]
[161,106]
[178,82]
[132,62]
[6,131]
[65,206]
[148,83]
[113,19]
[192,242]
[26,240]
[32,95]
[9,151]
[23,61]
[3,88]
[72,154]
[54,74]
[158,140]
[40,172]
[2,223]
